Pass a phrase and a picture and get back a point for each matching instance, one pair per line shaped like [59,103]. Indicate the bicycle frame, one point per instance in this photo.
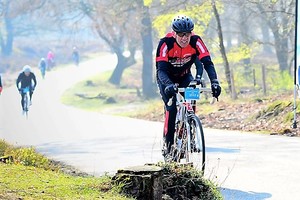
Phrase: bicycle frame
[185,108]
[188,136]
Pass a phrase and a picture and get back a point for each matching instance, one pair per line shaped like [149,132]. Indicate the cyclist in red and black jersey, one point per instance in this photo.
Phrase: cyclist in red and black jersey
[176,53]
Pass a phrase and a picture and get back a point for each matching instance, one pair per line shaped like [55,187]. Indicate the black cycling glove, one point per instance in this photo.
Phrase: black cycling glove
[171,90]
[215,88]
[198,80]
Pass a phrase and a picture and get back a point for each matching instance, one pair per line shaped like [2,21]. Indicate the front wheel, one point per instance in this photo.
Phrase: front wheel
[196,153]
[26,103]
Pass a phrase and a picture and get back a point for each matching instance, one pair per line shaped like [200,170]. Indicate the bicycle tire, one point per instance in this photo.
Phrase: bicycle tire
[197,152]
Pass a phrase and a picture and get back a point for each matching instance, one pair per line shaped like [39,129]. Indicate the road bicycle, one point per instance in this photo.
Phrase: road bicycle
[26,100]
[189,141]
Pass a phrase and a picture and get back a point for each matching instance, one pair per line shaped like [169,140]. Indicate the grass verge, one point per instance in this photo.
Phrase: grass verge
[26,174]
[97,94]
[27,182]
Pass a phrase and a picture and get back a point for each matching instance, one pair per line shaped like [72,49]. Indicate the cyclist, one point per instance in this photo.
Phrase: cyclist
[50,60]
[43,66]
[176,53]
[0,85]
[26,79]
[75,56]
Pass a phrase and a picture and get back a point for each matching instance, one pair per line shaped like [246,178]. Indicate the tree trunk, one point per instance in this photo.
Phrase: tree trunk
[280,35]
[147,73]
[7,43]
[118,71]
[244,39]
[281,48]
[228,75]
[266,38]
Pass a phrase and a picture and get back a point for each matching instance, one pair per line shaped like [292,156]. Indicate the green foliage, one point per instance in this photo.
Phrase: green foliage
[276,107]
[201,15]
[278,110]
[4,146]
[29,157]
[184,181]
[25,156]
[279,80]
[238,53]
[147,2]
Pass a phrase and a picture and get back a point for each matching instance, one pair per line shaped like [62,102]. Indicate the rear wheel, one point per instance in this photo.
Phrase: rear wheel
[196,155]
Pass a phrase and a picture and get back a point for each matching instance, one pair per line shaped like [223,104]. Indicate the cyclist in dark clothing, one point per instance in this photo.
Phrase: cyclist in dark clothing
[75,56]
[43,66]
[176,53]
[0,85]
[26,79]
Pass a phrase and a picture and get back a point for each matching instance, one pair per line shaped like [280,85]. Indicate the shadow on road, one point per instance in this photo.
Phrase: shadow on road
[100,155]
[231,194]
[221,150]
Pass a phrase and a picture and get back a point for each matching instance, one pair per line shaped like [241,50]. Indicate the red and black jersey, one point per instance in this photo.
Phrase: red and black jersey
[173,61]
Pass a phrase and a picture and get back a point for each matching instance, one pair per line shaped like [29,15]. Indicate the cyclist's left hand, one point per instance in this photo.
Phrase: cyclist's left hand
[216,88]
[171,90]
[198,80]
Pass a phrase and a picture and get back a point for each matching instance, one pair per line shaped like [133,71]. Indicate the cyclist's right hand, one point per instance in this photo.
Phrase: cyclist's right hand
[171,90]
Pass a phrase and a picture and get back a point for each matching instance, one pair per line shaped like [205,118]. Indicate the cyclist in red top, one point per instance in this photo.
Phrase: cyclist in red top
[176,53]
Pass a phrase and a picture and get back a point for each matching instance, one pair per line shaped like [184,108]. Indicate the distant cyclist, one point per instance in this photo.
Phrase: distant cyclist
[26,79]
[0,85]
[75,56]
[50,60]
[43,66]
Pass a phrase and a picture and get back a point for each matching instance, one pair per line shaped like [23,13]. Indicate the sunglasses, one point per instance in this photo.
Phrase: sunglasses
[184,34]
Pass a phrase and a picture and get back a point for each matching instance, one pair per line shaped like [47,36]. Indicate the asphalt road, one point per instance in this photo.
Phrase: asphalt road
[244,165]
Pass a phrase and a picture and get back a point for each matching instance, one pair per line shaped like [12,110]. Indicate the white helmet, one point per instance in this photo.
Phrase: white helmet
[26,68]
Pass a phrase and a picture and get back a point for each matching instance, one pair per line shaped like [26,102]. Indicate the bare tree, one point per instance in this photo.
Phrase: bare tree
[279,16]
[13,15]
[111,19]
[228,74]
[147,48]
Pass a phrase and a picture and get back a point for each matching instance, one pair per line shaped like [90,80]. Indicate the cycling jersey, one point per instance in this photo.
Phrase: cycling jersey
[173,61]
[26,81]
